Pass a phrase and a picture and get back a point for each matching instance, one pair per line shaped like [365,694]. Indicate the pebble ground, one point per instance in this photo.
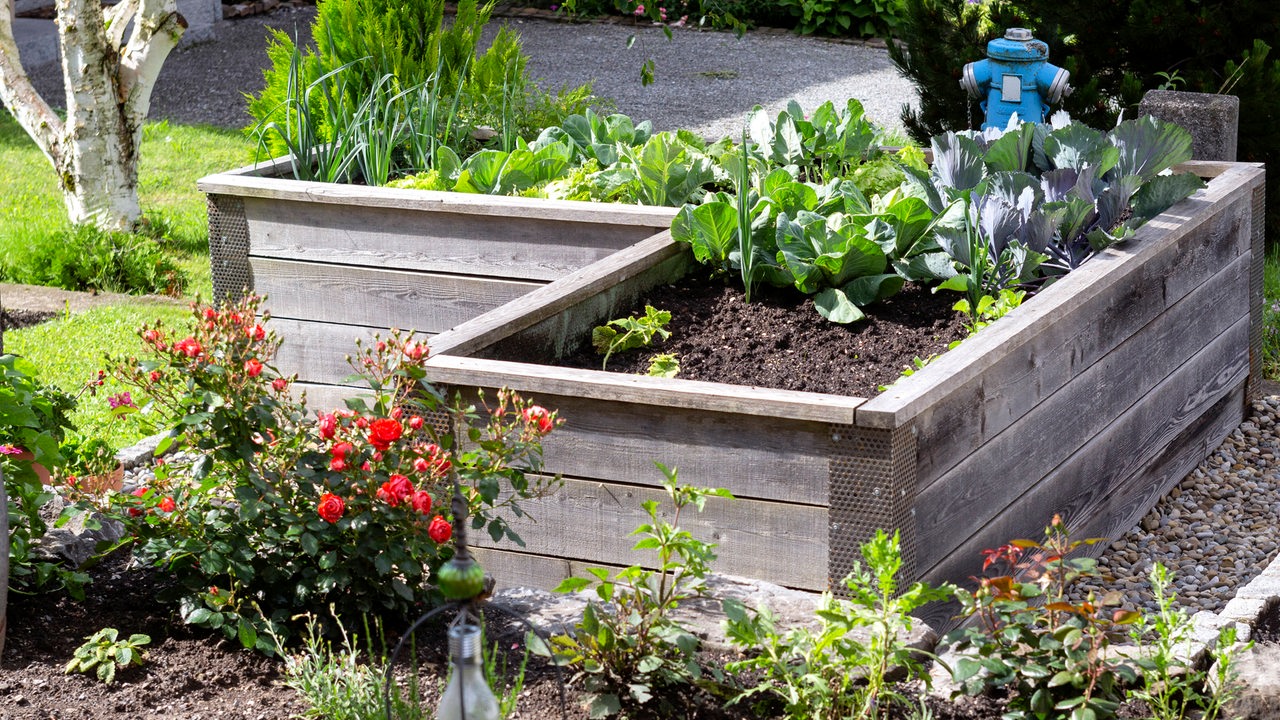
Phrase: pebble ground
[1216,530]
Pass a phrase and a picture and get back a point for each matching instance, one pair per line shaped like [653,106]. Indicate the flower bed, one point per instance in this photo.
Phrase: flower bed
[1119,378]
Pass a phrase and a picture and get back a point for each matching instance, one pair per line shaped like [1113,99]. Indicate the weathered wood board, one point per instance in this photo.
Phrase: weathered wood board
[373,258]
[591,522]
[1089,400]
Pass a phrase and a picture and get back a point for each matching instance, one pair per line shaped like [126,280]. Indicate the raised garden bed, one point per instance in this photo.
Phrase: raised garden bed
[339,262]
[1091,400]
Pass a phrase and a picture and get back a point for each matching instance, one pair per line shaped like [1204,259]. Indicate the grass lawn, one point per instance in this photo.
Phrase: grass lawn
[71,350]
[33,219]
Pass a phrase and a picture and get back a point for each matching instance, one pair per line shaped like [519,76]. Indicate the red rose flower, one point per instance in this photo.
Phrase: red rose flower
[279,384]
[421,465]
[330,508]
[138,492]
[167,505]
[440,530]
[415,351]
[328,425]
[189,347]
[395,490]
[415,423]
[539,419]
[257,332]
[383,432]
[253,367]
[421,500]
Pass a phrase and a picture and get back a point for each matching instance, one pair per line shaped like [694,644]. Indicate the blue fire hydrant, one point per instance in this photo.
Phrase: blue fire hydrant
[1017,78]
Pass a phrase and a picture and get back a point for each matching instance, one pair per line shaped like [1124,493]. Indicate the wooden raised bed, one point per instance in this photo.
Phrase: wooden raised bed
[339,262]
[1091,400]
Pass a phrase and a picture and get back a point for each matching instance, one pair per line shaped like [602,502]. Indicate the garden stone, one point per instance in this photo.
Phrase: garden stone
[554,613]
[141,452]
[1213,120]
[75,543]
[1259,677]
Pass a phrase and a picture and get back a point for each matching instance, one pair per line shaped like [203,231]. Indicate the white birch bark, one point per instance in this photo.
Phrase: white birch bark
[109,73]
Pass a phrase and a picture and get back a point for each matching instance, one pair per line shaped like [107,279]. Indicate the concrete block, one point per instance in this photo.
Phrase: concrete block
[1260,588]
[1212,120]
[1243,609]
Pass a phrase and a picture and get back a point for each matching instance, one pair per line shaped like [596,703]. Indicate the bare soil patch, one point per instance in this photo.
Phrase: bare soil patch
[779,341]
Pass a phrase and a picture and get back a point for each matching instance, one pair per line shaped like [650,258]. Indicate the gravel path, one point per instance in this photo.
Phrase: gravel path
[706,81]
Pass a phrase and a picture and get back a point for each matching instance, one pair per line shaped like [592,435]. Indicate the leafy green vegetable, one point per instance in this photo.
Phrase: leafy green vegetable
[635,333]
[664,365]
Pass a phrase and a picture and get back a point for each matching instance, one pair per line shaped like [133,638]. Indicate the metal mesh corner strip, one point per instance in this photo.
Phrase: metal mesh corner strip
[872,487]
[229,248]
[1253,391]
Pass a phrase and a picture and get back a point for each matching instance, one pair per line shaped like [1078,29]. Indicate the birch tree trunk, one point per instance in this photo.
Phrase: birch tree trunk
[110,61]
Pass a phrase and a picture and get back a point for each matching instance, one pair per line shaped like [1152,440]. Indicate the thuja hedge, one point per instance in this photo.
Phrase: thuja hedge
[1115,50]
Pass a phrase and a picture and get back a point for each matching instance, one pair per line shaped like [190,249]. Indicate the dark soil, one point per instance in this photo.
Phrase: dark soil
[779,341]
[15,319]
[190,674]
[1267,631]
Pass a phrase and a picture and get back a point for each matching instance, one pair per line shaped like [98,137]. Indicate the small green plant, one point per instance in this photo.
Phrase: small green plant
[627,644]
[989,309]
[337,683]
[1169,686]
[1049,653]
[664,365]
[506,685]
[845,18]
[105,653]
[842,669]
[636,332]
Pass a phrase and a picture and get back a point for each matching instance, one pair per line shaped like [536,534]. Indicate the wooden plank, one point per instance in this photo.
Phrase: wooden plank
[641,389]
[752,456]
[998,375]
[1114,515]
[256,181]
[580,286]
[376,297]
[591,522]
[991,477]
[1125,449]
[512,569]
[327,397]
[317,351]
[1175,251]
[504,246]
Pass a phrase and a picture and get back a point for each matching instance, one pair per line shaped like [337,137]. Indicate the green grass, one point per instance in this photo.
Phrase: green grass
[1271,314]
[32,216]
[71,350]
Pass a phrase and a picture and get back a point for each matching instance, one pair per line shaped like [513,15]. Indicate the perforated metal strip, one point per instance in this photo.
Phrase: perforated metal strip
[873,486]
[1256,299]
[229,248]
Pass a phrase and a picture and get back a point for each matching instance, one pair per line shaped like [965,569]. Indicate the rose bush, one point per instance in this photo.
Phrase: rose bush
[286,511]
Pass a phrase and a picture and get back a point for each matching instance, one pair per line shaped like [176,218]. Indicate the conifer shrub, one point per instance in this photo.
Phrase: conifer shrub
[1115,50]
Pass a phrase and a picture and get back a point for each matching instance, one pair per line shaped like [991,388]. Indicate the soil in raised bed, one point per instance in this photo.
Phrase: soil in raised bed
[779,341]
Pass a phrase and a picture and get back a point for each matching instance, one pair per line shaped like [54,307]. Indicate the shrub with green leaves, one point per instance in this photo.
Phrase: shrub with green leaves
[1027,637]
[283,511]
[628,645]
[33,422]
[845,18]
[841,669]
